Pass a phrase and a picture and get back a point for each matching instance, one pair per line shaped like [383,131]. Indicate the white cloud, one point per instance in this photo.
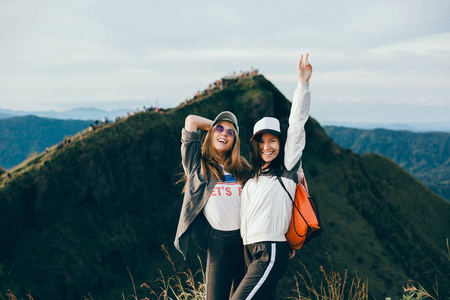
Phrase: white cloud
[103,52]
[430,46]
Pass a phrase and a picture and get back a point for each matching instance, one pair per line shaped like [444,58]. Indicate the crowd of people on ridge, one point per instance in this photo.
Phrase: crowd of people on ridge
[224,82]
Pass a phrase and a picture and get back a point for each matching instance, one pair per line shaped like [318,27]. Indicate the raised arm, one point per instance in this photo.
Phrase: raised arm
[194,123]
[296,137]
[191,148]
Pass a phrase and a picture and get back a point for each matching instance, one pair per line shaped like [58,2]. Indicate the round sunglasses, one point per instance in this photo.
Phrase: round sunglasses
[230,132]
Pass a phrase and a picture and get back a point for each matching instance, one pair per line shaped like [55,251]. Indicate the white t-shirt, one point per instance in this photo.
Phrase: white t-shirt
[222,210]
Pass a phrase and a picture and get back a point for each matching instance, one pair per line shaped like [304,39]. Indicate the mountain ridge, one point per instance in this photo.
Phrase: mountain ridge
[424,155]
[74,219]
[22,136]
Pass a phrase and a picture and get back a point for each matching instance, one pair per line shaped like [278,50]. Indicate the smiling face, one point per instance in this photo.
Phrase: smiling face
[269,147]
[222,142]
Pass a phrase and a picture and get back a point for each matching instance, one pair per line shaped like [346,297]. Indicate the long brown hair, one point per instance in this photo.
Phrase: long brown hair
[233,164]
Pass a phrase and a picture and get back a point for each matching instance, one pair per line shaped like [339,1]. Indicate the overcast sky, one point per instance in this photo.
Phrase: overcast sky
[374,61]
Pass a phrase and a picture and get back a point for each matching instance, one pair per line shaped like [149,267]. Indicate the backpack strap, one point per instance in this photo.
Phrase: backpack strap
[292,174]
[294,206]
[284,187]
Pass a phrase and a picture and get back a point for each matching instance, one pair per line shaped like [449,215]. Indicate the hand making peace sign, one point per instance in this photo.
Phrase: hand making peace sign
[304,69]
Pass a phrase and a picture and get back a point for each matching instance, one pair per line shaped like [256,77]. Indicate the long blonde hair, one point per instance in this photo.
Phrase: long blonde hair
[233,164]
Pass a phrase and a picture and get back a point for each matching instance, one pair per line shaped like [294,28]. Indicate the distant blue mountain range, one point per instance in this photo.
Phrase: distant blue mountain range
[74,114]
[98,114]
[413,127]
[21,136]
[425,155]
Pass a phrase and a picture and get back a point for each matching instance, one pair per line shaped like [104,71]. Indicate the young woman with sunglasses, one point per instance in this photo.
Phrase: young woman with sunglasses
[210,213]
[266,208]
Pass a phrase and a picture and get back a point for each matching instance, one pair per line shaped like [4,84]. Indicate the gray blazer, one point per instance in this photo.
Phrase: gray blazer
[197,190]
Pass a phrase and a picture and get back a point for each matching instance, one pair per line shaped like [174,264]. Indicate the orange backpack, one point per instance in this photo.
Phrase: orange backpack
[305,222]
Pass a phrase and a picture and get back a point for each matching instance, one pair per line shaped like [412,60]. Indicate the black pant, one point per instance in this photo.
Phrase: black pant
[266,263]
[225,266]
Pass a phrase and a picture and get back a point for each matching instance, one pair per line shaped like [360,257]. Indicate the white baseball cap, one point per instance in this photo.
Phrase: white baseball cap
[267,125]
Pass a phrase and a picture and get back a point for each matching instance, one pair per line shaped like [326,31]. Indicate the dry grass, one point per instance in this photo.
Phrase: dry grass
[10,296]
[191,286]
[180,285]
[411,292]
[332,288]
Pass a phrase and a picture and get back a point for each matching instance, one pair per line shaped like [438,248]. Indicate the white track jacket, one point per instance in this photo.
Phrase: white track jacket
[266,209]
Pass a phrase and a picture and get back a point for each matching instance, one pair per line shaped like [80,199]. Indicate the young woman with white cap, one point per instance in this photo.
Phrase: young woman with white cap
[210,213]
[266,209]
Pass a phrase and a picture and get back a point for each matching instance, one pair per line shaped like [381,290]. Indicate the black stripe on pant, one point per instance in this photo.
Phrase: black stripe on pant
[225,266]
[266,263]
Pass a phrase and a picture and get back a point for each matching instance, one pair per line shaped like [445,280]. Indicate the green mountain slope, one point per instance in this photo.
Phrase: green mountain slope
[74,220]
[424,155]
[21,136]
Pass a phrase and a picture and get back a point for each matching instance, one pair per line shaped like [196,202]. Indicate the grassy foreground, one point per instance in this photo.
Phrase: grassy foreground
[334,286]
[188,285]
